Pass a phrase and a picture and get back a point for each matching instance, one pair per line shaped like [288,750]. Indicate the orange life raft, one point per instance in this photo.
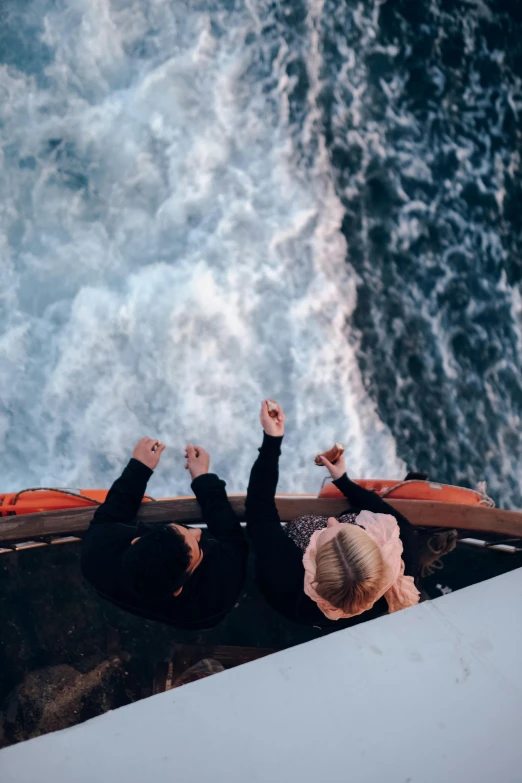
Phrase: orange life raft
[415,490]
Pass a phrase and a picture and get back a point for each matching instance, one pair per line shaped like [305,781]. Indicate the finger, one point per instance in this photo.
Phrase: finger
[161,448]
[273,409]
[190,451]
[200,450]
[264,414]
[326,462]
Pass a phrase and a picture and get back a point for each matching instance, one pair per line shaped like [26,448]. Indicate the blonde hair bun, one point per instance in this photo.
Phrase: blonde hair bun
[349,569]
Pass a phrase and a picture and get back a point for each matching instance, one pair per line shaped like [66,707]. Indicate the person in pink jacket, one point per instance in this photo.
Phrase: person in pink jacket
[323,571]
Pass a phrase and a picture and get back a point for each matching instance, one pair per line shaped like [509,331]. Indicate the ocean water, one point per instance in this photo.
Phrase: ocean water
[206,203]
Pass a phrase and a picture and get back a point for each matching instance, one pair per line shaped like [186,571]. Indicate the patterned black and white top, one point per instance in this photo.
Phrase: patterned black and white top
[301,530]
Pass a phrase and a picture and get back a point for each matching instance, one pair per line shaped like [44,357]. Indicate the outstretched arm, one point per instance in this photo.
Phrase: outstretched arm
[209,489]
[124,497]
[261,510]
[278,559]
[365,499]
[260,500]
[217,512]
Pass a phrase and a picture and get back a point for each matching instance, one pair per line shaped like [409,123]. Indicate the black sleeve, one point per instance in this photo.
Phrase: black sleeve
[260,499]
[218,514]
[365,500]
[279,561]
[125,496]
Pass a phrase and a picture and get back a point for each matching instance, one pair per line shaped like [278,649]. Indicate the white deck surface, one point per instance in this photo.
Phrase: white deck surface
[432,694]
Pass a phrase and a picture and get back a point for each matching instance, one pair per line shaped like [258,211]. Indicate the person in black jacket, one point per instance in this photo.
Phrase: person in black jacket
[281,554]
[171,573]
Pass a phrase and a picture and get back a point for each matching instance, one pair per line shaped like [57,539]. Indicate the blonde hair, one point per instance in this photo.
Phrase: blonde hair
[349,569]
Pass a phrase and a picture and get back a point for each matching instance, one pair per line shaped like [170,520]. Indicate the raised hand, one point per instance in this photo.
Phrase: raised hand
[148,451]
[198,460]
[337,470]
[272,424]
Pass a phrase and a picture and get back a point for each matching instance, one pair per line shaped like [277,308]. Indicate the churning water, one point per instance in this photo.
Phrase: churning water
[206,203]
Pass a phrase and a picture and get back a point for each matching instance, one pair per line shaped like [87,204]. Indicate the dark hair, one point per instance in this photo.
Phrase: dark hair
[156,565]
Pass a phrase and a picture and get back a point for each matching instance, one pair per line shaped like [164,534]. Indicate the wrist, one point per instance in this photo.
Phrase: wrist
[141,463]
[268,437]
[276,434]
[197,473]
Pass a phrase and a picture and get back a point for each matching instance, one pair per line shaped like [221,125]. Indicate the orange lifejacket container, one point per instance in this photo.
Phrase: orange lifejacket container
[413,490]
[30,501]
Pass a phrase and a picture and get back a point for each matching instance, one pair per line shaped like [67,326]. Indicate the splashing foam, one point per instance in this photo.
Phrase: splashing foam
[167,265]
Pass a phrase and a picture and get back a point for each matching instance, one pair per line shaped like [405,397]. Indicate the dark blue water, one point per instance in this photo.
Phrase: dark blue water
[205,203]
[427,166]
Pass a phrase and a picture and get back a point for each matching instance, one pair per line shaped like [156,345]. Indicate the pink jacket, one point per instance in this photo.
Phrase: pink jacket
[399,590]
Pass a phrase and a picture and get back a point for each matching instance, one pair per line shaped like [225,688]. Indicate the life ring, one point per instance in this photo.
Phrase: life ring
[414,490]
